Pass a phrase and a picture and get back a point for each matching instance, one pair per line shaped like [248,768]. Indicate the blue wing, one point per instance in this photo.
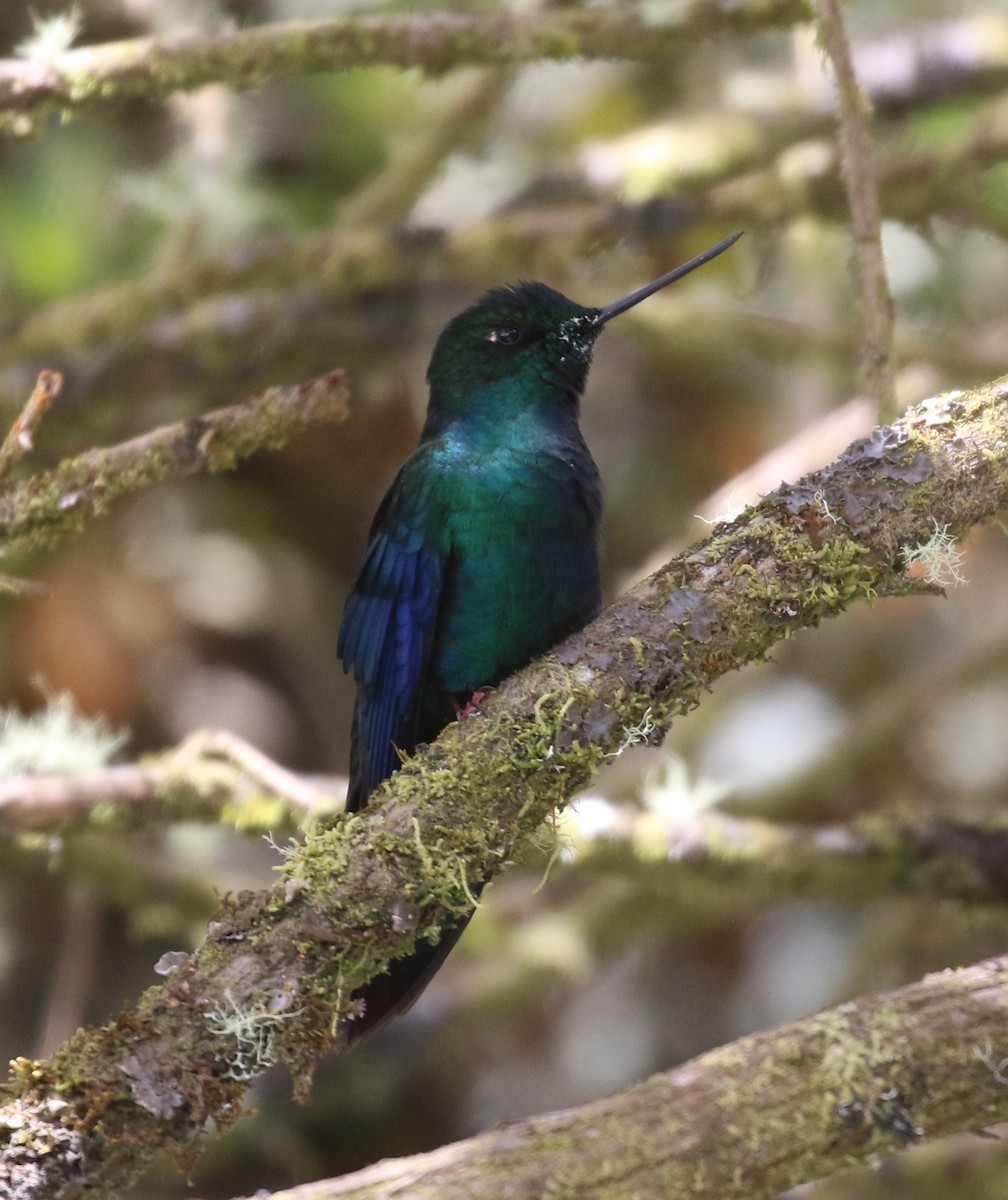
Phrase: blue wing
[388,627]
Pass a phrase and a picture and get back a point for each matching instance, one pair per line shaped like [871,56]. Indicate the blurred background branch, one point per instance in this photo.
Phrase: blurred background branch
[212,776]
[434,42]
[857,170]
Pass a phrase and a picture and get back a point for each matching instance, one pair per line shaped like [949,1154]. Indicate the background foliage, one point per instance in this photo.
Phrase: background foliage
[172,255]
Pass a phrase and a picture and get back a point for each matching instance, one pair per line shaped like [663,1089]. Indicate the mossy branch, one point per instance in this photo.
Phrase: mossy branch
[365,890]
[964,1168]
[750,1119]
[39,510]
[432,42]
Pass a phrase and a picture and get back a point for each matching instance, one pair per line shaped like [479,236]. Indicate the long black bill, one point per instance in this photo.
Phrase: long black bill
[649,289]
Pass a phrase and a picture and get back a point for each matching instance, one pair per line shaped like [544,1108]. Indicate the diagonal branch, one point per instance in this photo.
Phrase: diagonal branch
[275,976]
[434,42]
[750,1119]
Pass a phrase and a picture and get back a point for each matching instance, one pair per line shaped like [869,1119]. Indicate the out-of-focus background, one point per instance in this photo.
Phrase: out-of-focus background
[171,257]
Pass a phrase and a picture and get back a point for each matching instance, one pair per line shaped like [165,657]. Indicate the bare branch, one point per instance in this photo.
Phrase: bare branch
[900,705]
[857,167]
[19,441]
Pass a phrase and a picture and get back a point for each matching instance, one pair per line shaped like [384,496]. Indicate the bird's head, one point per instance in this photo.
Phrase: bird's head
[525,347]
[517,339]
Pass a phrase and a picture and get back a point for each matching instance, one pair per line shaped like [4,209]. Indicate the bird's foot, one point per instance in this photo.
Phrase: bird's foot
[471,708]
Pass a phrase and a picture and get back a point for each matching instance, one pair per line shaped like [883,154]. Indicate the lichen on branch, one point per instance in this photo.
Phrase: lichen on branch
[749,1120]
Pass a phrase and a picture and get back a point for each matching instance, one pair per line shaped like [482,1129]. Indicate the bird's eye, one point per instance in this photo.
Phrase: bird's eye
[506,335]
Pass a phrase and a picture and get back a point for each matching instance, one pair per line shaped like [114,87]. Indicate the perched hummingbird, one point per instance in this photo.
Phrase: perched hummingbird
[483,553]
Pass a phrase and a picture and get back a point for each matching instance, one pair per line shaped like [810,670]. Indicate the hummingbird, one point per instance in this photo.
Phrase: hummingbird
[484,551]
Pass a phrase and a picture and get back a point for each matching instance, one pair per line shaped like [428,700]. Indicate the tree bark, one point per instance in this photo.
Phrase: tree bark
[748,1120]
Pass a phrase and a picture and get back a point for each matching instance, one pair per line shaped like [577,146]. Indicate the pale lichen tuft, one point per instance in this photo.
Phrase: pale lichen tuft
[938,556]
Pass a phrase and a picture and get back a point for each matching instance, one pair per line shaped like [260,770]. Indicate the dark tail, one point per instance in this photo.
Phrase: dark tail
[396,992]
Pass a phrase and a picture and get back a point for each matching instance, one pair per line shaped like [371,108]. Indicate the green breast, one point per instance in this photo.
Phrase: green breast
[522,559]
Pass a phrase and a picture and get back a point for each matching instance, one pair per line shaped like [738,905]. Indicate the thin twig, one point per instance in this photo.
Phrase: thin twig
[857,167]
[19,441]
[296,791]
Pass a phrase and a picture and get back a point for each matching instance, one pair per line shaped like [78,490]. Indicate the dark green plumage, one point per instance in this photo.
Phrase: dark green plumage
[483,553]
